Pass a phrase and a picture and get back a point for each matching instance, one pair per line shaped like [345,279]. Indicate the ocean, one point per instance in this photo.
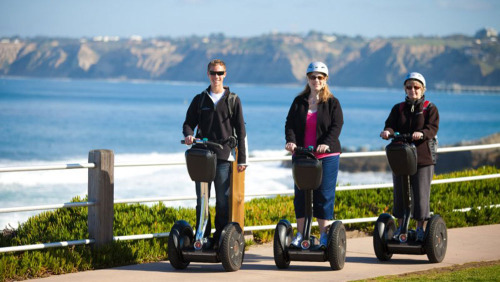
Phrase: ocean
[54,121]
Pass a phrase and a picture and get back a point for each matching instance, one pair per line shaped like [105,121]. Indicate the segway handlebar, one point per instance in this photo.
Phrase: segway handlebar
[402,136]
[205,142]
[309,149]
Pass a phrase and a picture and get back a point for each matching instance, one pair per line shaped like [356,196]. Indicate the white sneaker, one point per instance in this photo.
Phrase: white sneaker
[297,240]
[323,240]
[397,233]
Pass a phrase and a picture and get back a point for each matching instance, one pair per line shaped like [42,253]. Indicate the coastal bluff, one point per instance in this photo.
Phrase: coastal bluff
[455,62]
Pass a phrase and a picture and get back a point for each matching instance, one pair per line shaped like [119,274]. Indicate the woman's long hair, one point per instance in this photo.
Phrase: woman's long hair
[324,93]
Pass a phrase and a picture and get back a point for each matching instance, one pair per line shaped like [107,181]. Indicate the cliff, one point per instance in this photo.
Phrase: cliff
[452,61]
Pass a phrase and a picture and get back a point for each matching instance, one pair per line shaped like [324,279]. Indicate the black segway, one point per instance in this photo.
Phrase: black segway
[307,174]
[402,157]
[182,247]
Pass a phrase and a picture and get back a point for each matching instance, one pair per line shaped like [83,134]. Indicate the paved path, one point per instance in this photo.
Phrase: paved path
[464,245]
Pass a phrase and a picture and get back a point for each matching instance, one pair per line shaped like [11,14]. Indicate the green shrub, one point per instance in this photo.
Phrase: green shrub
[71,224]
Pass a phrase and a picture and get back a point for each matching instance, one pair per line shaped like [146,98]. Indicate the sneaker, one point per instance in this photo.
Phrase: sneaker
[323,240]
[297,240]
[397,233]
[420,234]
[208,243]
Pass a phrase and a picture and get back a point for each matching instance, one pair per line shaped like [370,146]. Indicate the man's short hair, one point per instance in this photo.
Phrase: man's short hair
[216,62]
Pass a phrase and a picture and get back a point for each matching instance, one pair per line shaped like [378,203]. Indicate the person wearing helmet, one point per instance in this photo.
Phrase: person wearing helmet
[315,119]
[420,118]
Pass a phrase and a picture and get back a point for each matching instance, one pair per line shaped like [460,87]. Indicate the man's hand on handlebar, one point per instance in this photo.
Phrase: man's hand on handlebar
[385,134]
[189,139]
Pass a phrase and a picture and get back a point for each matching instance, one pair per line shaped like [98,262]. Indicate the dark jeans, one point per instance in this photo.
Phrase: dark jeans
[421,187]
[221,184]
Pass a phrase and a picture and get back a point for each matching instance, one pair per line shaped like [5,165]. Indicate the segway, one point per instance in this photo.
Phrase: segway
[307,174]
[402,157]
[182,247]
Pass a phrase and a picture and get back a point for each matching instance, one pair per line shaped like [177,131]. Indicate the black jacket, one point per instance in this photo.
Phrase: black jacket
[408,121]
[215,125]
[328,127]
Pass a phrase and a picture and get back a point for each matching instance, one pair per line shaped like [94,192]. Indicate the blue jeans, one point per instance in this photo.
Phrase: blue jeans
[324,196]
[221,184]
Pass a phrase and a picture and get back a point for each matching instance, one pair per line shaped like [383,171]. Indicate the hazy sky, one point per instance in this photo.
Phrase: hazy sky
[242,18]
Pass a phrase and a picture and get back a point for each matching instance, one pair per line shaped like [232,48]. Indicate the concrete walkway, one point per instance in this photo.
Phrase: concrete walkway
[471,244]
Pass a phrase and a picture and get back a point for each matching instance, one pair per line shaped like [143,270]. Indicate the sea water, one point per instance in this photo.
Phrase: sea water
[47,121]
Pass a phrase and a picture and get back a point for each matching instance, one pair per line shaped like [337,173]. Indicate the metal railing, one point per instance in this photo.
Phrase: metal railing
[251,160]
[97,166]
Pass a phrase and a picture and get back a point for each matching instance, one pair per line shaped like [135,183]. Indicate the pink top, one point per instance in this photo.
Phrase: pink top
[310,134]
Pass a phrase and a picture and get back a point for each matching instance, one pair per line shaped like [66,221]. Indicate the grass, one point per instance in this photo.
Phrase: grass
[474,271]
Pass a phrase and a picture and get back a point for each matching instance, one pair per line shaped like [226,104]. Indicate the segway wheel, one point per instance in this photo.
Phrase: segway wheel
[181,236]
[282,237]
[436,239]
[337,245]
[232,249]
[383,231]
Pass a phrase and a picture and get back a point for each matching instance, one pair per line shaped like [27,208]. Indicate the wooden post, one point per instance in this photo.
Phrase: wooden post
[237,196]
[100,191]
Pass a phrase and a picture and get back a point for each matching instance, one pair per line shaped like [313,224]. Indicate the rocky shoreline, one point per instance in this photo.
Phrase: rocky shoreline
[447,162]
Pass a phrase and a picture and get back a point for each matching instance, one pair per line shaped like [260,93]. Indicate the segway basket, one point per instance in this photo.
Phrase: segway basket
[402,158]
[201,164]
[307,172]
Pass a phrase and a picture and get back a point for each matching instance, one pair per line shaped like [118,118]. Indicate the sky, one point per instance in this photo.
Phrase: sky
[245,18]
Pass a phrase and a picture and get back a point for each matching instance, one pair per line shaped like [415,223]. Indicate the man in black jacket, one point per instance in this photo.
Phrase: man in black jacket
[219,120]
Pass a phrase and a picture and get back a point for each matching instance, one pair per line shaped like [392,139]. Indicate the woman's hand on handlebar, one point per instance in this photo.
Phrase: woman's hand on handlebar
[417,135]
[290,147]
[385,134]
[322,148]
[189,139]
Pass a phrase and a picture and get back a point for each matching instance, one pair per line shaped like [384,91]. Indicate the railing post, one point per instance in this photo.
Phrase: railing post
[101,190]
[237,195]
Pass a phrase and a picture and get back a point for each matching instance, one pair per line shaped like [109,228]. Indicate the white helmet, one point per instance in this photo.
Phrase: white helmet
[317,66]
[416,76]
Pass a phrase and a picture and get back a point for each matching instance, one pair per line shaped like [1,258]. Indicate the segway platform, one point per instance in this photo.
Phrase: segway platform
[402,157]
[184,246]
[307,173]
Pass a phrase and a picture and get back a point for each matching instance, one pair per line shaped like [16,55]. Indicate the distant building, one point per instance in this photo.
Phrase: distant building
[329,38]
[136,38]
[486,33]
[105,38]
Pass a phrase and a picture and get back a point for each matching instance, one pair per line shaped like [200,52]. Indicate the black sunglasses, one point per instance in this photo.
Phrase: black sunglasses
[413,87]
[219,73]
